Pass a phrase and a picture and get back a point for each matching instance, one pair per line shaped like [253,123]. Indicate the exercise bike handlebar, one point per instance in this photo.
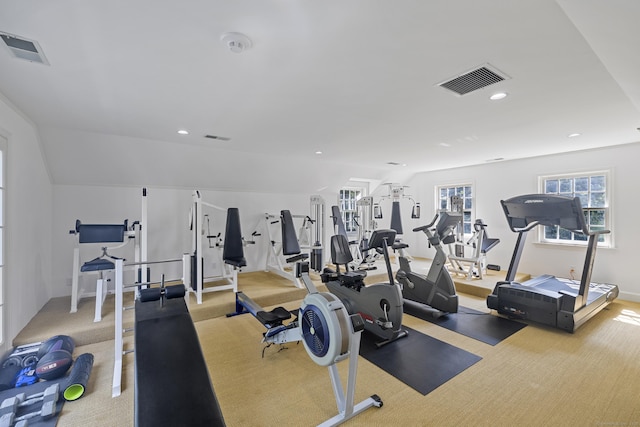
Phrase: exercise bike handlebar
[424,227]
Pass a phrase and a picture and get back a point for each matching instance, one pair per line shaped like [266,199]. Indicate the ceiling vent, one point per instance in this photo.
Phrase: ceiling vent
[475,79]
[23,48]
[219,138]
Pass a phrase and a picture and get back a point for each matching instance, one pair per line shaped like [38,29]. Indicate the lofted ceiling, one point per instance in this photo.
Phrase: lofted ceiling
[357,80]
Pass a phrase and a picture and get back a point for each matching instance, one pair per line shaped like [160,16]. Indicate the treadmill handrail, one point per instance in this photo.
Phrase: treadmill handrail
[530,210]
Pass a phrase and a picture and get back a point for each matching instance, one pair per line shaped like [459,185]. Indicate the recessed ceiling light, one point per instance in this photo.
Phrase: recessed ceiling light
[318,152]
[497,96]
[573,135]
[445,144]
[183,132]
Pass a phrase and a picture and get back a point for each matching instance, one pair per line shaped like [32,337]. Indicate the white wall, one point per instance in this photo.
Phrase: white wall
[169,235]
[496,181]
[168,224]
[28,223]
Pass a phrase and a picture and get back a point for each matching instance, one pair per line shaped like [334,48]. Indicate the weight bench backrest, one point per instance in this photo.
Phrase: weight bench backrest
[487,242]
[290,245]
[396,221]
[233,249]
[337,221]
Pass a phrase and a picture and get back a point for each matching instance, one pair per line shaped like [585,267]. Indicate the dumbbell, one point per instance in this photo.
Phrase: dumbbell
[49,398]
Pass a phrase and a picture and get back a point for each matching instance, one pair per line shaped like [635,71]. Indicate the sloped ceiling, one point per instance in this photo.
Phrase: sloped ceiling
[356,80]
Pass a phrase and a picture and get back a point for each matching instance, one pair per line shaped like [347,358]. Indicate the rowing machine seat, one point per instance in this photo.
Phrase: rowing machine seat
[273,317]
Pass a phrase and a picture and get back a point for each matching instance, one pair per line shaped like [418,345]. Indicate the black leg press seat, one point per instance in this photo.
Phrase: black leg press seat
[172,385]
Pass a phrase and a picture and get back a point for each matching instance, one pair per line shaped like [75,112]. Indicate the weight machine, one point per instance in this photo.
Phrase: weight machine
[101,234]
[230,253]
[475,264]
[396,194]
[469,258]
[290,249]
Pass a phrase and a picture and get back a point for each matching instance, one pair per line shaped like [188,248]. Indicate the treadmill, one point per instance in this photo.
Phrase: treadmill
[561,303]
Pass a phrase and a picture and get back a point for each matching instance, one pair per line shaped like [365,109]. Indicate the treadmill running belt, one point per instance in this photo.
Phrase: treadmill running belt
[418,360]
[474,324]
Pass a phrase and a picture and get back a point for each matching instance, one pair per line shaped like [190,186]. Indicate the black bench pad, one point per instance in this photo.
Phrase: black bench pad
[172,384]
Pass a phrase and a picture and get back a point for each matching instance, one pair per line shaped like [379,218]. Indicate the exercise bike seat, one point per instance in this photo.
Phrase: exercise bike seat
[399,245]
[273,317]
[296,258]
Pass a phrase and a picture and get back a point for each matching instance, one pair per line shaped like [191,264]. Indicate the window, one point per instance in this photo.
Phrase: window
[347,200]
[464,194]
[593,190]
[3,163]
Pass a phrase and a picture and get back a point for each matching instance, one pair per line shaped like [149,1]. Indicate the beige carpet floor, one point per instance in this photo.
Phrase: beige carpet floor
[537,377]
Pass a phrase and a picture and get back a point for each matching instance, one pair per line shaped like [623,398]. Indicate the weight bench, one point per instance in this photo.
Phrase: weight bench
[172,384]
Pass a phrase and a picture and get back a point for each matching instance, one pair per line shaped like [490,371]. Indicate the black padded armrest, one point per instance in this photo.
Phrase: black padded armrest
[100,233]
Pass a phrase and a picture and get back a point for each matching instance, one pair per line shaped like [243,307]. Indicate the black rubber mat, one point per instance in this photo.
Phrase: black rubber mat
[472,323]
[418,360]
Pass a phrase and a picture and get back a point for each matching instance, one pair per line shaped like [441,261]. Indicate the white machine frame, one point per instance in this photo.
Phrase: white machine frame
[229,274]
[313,224]
[313,227]
[274,262]
[120,267]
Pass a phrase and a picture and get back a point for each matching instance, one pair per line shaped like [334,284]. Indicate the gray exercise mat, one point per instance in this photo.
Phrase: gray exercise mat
[33,389]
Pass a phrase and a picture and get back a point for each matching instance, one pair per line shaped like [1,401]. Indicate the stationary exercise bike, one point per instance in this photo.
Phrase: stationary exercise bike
[436,289]
[380,304]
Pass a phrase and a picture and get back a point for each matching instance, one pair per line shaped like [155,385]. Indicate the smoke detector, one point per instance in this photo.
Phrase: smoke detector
[236,42]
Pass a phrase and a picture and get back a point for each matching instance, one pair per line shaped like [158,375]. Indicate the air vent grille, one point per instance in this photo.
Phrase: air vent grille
[23,48]
[473,80]
[219,138]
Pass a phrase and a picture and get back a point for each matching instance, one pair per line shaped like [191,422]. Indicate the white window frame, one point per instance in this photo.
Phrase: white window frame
[349,207]
[3,232]
[593,201]
[467,191]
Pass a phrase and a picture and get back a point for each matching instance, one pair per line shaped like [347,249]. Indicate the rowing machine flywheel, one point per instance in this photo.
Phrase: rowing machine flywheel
[324,328]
